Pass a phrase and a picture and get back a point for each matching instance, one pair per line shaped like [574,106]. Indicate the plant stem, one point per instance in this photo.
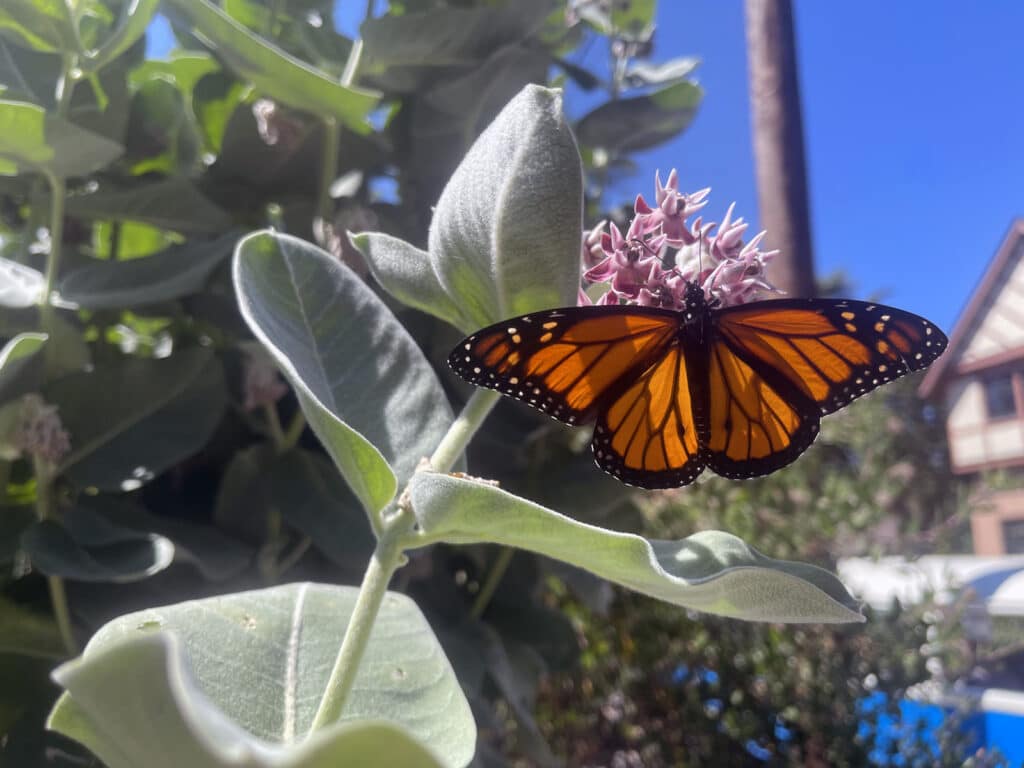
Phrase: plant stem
[395,535]
[56,234]
[462,430]
[491,584]
[384,562]
[58,596]
[69,77]
[328,171]
[274,427]
[295,429]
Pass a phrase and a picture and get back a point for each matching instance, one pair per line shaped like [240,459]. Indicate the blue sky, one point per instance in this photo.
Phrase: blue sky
[913,123]
[914,128]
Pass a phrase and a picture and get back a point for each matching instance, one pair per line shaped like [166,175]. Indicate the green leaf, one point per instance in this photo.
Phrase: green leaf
[20,286]
[504,239]
[710,571]
[29,633]
[156,688]
[32,140]
[135,17]
[20,369]
[44,25]
[214,100]
[276,73]
[643,73]
[162,136]
[401,52]
[641,122]
[174,203]
[184,68]
[216,556]
[633,19]
[171,274]
[364,385]
[88,547]
[404,271]
[306,490]
[113,413]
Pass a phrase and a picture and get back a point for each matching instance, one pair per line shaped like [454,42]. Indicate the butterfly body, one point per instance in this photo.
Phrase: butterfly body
[739,390]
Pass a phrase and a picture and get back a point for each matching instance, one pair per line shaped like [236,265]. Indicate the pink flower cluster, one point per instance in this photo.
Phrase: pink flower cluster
[661,253]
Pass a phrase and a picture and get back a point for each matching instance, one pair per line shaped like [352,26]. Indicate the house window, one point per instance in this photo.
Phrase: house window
[999,396]
[1013,537]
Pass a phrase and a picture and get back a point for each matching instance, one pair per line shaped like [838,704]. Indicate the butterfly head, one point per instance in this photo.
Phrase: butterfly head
[694,300]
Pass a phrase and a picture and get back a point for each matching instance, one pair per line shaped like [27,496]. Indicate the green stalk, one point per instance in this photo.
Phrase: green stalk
[463,428]
[329,171]
[383,564]
[396,534]
[274,427]
[57,190]
[58,596]
[494,577]
[294,431]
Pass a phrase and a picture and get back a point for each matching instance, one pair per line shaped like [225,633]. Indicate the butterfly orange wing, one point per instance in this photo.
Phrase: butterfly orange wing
[565,362]
[648,434]
[777,366]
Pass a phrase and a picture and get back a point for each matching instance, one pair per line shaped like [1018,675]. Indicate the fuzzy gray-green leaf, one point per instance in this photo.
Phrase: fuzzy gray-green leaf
[710,571]
[160,687]
[368,392]
[505,237]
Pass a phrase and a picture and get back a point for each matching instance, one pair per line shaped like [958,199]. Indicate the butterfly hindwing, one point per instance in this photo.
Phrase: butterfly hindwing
[565,362]
[757,420]
[647,435]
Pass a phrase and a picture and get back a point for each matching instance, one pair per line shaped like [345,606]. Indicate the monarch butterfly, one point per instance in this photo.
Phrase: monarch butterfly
[740,390]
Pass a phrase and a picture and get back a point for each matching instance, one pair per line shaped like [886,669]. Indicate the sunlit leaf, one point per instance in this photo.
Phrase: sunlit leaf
[32,140]
[156,688]
[276,73]
[710,571]
[368,392]
[641,122]
[113,412]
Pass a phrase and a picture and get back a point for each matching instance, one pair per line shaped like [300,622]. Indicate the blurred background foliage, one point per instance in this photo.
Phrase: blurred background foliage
[124,184]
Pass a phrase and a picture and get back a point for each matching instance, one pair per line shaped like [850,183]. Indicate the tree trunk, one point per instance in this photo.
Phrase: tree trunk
[779,144]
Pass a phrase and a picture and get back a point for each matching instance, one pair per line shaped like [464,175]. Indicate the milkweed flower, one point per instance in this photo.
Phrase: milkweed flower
[40,431]
[661,253]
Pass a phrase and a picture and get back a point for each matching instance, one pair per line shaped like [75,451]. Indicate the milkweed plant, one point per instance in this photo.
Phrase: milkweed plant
[312,674]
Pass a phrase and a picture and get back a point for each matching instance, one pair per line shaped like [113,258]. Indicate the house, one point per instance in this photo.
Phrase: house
[980,381]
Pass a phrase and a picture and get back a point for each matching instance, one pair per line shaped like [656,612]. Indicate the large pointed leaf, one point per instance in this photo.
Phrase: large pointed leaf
[641,122]
[178,271]
[45,25]
[276,73]
[131,419]
[504,239]
[236,681]
[710,571]
[174,203]
[368,392]
[88,547]
[32,140]
[403,50]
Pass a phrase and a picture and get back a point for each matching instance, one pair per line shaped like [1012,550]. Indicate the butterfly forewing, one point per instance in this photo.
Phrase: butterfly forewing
[647,436]
[832,350]
[565,362]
